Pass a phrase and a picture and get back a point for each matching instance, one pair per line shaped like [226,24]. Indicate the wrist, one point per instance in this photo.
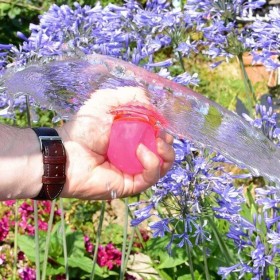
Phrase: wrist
[33,167]
[32,162]
[20,165]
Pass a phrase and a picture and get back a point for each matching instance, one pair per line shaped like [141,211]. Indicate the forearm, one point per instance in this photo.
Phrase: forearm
[21,166]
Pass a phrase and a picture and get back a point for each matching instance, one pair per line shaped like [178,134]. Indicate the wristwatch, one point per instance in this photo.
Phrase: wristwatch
[54,162]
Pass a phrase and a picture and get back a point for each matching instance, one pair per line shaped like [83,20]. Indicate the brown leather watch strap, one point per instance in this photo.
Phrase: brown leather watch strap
[54,161]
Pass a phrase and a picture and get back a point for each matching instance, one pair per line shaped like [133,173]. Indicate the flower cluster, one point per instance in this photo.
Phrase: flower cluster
[4,226]
[217,21]
[142,36]
[25,226]
[4,55]
[190,190]
[267,121]
[198,185]
[27,273]
[108,256]
[26,213]
[88,244]
[26,217]
[257,240]
[265,41]
[128,32]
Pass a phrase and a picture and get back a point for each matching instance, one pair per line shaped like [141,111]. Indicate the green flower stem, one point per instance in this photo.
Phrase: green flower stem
[123,268]
[98,235]
[189,252]
[15,241]
[135,230]
[130,247]
[206,269]
[48,238]
[181,61]
[176,39]
[35,205]
[28,117]
[251,96]
[25,6]
[220,241]
[64,239]
[37,246]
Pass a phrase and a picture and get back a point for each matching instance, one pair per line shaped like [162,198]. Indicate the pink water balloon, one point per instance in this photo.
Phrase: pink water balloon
[130,128]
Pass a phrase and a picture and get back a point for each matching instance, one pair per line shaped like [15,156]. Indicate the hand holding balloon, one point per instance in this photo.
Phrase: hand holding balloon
[96,133]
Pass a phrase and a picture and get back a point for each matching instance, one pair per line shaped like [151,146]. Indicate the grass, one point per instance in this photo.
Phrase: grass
[222,84]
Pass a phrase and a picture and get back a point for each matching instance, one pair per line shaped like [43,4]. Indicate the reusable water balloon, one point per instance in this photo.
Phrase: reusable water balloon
[132,125]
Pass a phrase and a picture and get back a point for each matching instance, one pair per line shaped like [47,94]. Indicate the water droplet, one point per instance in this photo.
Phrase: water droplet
[56,119]
[33,115]
[113,194]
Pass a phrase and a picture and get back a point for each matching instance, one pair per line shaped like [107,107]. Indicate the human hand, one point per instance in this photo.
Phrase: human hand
[86,137]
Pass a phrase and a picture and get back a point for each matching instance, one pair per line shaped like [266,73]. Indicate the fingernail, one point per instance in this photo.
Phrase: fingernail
[160,141]
[142,148]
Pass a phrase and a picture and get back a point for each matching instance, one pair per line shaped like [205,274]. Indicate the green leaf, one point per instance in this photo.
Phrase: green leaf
[113,233]
[168,261]
[252,204]
[85,264]
[55,270]
[197,276]
[156,248]
[26,244]
[4,7]
[15,11]
[164,275]
[74,240]
[81,262]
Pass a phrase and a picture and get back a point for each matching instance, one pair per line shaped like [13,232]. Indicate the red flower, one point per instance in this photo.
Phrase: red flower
[88,244]
[4,226]
[20,256]
[2,258]
[109,256]
[27,273]
[9,202]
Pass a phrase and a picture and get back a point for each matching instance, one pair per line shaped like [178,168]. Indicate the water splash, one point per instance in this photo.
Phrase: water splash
[66,83]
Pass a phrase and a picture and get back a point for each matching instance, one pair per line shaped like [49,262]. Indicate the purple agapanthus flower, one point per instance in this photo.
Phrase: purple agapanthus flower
[266,121]
[129,32]
[257,239]
[218,23]
[265,43]
[197,175]
[188,190]
[160,228]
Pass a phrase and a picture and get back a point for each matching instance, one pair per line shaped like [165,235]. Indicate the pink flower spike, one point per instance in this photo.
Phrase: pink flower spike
[9,202]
